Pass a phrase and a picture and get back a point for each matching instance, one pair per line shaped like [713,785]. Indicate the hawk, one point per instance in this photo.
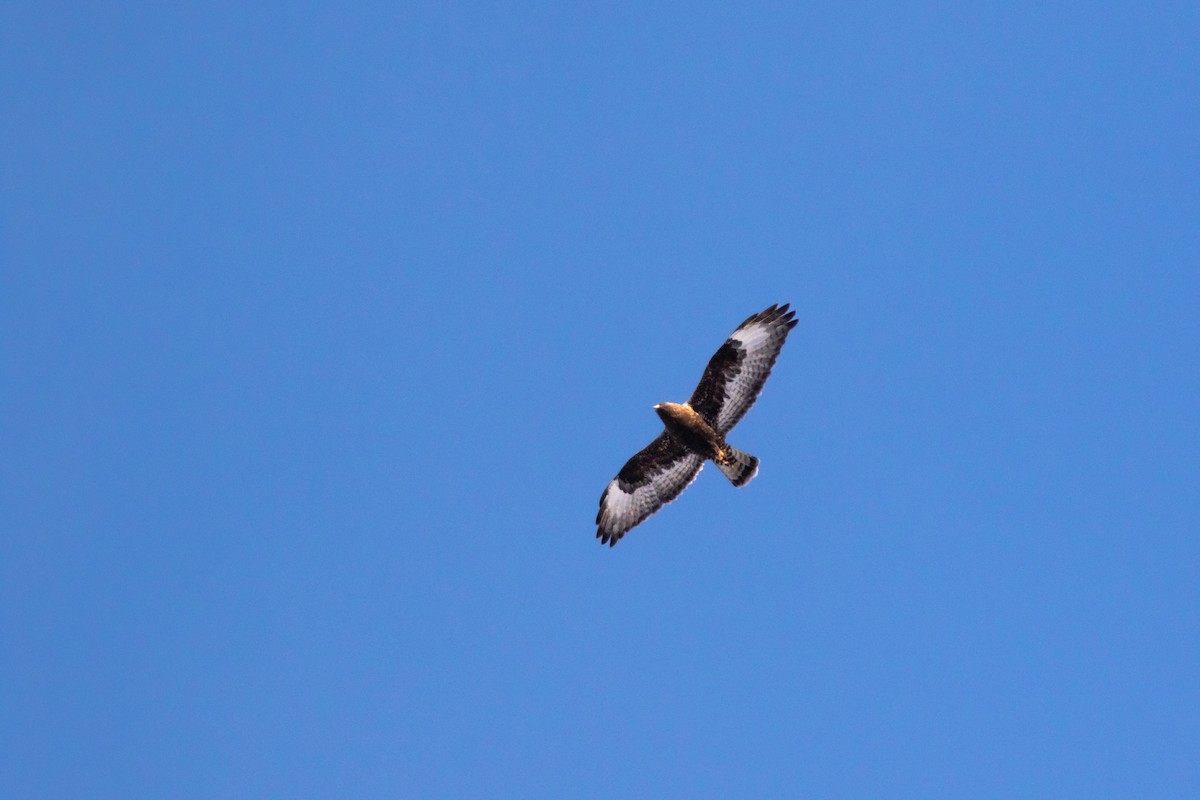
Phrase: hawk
[695,431]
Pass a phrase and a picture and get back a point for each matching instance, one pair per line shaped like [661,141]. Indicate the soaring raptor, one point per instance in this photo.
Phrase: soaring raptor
[695,431]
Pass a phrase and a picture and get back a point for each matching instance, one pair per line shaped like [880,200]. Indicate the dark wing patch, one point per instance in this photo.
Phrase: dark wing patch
[736,373]
[647,482]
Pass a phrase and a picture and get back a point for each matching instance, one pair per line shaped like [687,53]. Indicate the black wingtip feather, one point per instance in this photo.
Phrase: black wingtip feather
[775,313]
[784,315]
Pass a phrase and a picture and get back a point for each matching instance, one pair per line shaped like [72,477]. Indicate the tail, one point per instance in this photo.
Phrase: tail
[739,467]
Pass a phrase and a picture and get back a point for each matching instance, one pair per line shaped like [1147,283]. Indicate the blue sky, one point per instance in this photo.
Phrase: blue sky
[323,328]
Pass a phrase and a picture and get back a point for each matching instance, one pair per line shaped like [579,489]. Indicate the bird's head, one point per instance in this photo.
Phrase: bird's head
[665,410]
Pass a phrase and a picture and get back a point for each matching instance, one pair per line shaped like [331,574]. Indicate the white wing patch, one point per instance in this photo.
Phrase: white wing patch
[736,373]
[754,335]
[625,504]
[761,340]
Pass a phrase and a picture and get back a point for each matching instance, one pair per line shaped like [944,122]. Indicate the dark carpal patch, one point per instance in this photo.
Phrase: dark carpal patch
[648,459]
[710,392]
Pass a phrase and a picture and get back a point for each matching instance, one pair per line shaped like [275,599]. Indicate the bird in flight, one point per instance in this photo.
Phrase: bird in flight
[695,431]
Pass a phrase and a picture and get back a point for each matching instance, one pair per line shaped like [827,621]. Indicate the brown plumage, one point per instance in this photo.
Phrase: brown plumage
[695,431]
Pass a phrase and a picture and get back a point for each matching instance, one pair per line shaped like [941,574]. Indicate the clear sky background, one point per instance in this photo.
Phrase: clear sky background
[324,327]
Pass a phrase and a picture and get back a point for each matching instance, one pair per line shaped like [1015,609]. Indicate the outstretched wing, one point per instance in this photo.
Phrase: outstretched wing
[648,481]
[736,373]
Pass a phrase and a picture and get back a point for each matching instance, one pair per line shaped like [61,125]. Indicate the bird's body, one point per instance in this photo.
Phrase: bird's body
[695,431]
[689,429]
